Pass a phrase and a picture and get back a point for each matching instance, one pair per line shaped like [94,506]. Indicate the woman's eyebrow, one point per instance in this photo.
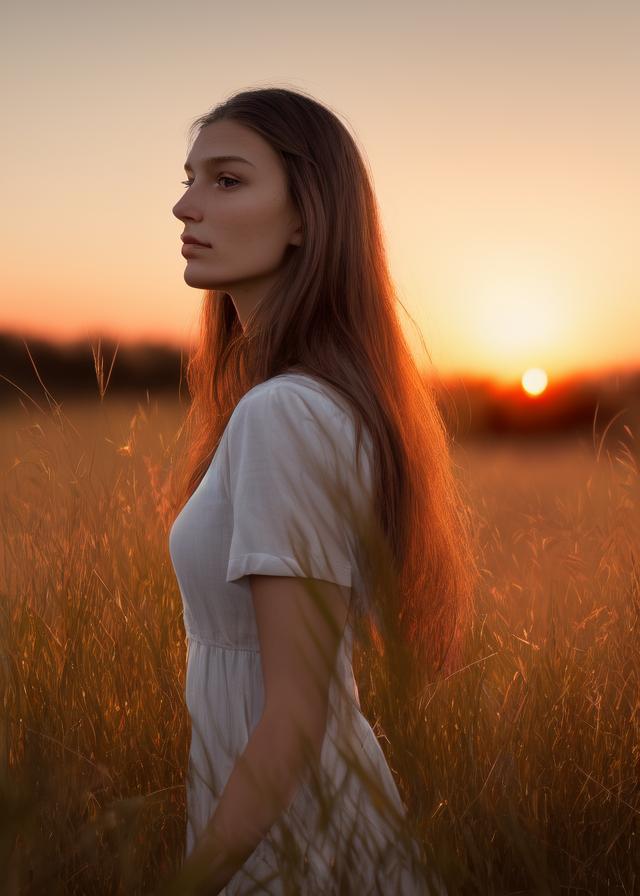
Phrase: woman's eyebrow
[212,159]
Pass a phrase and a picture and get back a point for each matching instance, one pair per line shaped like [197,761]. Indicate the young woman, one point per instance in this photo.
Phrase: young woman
[317,464]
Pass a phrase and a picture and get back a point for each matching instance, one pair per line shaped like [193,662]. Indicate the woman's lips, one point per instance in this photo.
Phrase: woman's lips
[187,248]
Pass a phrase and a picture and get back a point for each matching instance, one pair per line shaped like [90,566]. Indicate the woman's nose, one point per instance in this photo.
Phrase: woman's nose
[182,209]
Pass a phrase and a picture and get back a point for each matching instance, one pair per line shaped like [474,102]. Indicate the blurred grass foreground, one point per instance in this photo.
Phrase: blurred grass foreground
[524,769]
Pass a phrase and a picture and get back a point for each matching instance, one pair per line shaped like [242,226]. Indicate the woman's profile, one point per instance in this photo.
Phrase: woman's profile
[317,466]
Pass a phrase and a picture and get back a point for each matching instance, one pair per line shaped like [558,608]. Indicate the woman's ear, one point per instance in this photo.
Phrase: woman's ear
[297,233]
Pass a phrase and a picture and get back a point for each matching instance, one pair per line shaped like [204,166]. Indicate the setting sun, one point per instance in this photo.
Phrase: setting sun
[534,381]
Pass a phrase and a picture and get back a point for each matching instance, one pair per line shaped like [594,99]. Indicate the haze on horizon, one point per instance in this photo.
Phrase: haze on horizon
[503,144]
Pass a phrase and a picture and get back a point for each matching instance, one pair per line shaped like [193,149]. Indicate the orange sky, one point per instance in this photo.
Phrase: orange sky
[503,143]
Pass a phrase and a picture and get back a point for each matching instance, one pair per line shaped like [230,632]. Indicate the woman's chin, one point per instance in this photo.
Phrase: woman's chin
[198,279]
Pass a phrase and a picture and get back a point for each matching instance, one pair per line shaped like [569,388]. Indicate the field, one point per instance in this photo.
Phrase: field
[524,773]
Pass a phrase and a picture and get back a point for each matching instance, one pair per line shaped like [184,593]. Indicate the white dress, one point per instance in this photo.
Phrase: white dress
[263,506]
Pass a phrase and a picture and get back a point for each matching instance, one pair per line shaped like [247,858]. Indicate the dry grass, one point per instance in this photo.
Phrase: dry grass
[521,771]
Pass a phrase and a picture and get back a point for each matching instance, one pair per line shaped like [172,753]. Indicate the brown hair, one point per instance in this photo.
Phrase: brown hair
[337,286]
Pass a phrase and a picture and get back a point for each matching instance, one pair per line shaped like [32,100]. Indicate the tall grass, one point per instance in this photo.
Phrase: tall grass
[521,771]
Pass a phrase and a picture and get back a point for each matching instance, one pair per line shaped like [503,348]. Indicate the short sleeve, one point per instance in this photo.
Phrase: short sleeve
[283,451]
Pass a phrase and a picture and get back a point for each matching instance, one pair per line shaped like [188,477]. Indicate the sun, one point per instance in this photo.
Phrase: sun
[534,381]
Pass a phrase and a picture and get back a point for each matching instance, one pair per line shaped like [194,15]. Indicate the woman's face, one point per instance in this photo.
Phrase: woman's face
[242,209]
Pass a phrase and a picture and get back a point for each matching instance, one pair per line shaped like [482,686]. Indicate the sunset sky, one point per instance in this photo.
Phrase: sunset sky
[503,139]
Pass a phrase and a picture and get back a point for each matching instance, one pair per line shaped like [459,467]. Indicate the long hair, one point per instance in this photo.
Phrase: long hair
[333,314]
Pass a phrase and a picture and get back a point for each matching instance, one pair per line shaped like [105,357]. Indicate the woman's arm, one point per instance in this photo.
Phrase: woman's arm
[299,634]
[248,806]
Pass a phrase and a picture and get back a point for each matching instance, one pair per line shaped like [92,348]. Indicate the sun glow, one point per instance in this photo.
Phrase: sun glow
[534,381]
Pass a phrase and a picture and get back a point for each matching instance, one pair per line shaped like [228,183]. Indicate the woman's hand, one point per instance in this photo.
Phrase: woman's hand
[208,868]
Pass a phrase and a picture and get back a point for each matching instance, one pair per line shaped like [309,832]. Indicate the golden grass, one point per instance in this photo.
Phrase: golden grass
[521,771]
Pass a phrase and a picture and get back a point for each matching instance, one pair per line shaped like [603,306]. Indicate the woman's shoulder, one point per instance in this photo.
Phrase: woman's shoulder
[294,420]
[292,406]
[295,394]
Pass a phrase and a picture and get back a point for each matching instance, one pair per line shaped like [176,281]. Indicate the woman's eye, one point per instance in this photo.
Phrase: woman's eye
[188,183]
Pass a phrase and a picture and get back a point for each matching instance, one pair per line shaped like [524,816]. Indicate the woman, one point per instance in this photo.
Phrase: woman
[317,468]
